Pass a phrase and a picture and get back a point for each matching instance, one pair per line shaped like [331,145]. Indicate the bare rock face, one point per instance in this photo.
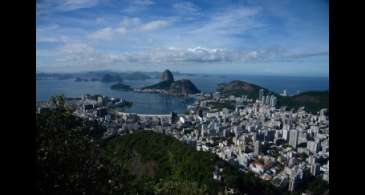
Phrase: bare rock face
[167,76]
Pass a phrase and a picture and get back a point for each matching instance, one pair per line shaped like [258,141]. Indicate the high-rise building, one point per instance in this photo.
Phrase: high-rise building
[267,100]
[292,183]
[314,169]
[312,146]
[263,99]
[273,101]
[293,138]
[257,147]
[285,134]
[202,132]
[311,159]
[284,93]
[261,93]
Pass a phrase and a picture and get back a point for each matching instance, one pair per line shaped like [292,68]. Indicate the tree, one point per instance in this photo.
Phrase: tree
[69,161]
[58,101]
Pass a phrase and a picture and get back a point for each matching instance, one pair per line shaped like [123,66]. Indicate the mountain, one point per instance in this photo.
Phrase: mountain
[239,88]
[183,86]
[167,76]
[313,101]
[108,78]
[168,85]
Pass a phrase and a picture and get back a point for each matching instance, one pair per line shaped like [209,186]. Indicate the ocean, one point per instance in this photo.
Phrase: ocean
[150,103]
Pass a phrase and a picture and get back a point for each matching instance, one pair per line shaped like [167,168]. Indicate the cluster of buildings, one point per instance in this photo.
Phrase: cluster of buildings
[270,100]
[278,145]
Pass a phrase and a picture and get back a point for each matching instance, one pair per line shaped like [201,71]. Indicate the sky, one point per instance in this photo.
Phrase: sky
[258,37]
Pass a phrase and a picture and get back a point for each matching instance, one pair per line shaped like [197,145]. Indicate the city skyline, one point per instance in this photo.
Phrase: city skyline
[242,37]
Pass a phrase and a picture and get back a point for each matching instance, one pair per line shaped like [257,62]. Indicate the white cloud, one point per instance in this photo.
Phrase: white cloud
[135,6]
[102,34]
[48,6]
[230,22]
[130,22]
[47,28]
[128,25]
[143,2]
[77,4]
[52,39]
[186,8]
[154,25]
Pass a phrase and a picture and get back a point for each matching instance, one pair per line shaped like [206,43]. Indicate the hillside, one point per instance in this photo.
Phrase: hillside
[72,159]
[239,88]
[313,101]
[160,161]
[164,85]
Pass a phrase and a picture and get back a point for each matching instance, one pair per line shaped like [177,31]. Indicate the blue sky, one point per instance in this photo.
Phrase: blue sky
[264,37]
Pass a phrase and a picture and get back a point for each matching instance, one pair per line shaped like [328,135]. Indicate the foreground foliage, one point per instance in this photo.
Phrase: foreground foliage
[72,159]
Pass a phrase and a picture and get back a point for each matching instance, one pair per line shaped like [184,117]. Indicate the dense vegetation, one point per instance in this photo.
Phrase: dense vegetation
[240,88]
[121,87]
[164,85]
[72,159]
[220,105]
[313,101]
[69,158]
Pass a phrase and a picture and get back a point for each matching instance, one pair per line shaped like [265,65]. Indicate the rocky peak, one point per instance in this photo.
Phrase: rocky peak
[167,76]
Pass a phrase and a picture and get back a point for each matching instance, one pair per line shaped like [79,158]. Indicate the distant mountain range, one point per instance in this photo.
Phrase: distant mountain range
[313,101]
[104,76]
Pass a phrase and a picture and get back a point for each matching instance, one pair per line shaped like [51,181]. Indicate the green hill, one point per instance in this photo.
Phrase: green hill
[121,87]
[313,101]
[164,85]
[72,159]
[156,160]
[239,88]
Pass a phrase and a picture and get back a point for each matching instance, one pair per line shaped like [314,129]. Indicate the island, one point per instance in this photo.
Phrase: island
[109,78]
[169,86]
[78,79]
[121,87]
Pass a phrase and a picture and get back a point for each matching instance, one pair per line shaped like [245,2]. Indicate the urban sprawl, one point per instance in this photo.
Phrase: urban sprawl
[278,145]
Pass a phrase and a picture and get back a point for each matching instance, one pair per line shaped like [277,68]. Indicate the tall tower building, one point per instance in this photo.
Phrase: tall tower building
[293,138]
[267,100]
[285,134]
[292,184]
[257,147]
[314,169]
[261,93]
[273,101]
